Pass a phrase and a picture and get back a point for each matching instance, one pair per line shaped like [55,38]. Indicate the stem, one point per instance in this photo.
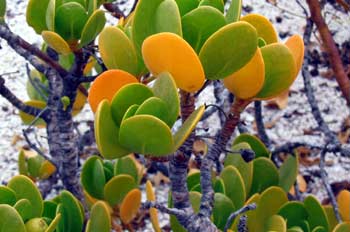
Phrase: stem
[260,124]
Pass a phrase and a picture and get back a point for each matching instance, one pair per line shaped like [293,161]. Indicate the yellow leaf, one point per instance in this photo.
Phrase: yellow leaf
[343,199]
[168,52]
[296,46]
[130,206]
[263,26]
[248,81]
[152,211]
[56,42]
[47,169]
[107,84]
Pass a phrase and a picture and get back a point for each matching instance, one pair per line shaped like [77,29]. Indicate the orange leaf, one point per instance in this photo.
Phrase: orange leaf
[130,205]
[343,199]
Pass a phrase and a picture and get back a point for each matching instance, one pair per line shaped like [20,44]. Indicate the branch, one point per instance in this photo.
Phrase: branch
[331,48]
[260,124]
[30,52]
[6,93]
[326,184]
[238,212]
[172,211]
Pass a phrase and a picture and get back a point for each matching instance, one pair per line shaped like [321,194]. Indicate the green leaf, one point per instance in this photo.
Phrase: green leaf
[10,220]
[7,196]
[199,24]
[225,52]
[244,168]
[116,189]
[127,96]
[217,4]
[275,223]
[130,112]
[165,88]
[2,10]
[50,15]
[70,20]
[294,213]
[219,186]
[107,133]
[255,143]
[126,165]
[193,179]
[317,215]
[34,163]
[288,173]
[24,188]
[146,134]
[187,127]
[92,28]
[93,178]
[223,207]
[319,229]
[152,17]
[343,227]
[54,223]
[27,119]
[36,13]
[234,11]
[50,208]
[270,202]
[24,208]
[156,107]
[69,208]
[186,6]
[332,220]
[280,70]
[100,218]
[265,174]
[234,186]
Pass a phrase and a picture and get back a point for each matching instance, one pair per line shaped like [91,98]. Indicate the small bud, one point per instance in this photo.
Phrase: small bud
[247,154]
[36,225]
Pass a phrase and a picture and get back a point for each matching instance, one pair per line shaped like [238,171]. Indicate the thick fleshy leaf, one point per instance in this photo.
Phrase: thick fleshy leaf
[126,165]
[263,26]
[22,164]
[127,96]
[155,16]
[225,52]
[343,200]
[250,214]
[50,15]
[332,220]
[280,70]
[288,173]
[217,4]
[72,218]
[317,215]
[234,186]
[193,178]
[265,174]
[275,223]
[219,186]
[244,168]
[24,188]
[70,19]
[168,52]
[234,11]
[117,188]
[53,225]
[130,111]
[130,206]
[165,88]
[107,133]
[248,81]
[186,6]
[56,42]
[107,85]
[93,27]
[117,50]
[146,134]
[61,2]
[343,227]
[296,46]
[93,178]
[152,211]
[32,92]
[295,229]
[100,218]
[199,24]
[294,213]
[270,202]
[319,229]
[24,208]
[46,169]
[7,196]
[36,13]
[49,209]
[2,10]
[223,208]
[10,220]
[27,119]
[187,127]
[156,107]
[34,163]
[255,143]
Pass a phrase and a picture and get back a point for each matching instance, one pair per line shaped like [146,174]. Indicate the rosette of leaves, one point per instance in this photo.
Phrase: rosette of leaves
[66,25]
[34,166]
[115,183]
[133,117]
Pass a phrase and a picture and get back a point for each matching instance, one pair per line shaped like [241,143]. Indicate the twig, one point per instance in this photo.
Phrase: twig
[331,48]
[327,186]
[260,124]
[6,93]
[242,224]
[232,217]
[163,209]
